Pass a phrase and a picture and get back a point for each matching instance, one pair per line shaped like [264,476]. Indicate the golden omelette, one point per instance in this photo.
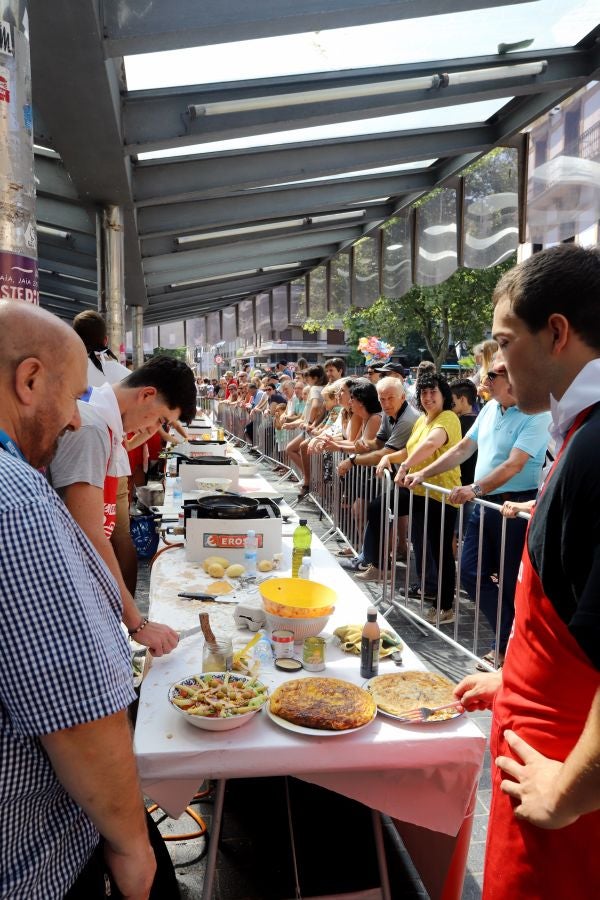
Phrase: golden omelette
[328,704]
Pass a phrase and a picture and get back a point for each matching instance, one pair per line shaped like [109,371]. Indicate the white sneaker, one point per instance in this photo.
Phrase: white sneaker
[446,616]
[371,573]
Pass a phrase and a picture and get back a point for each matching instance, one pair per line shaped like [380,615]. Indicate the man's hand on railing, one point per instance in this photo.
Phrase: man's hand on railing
[383,464]
[461,495]
[344,467]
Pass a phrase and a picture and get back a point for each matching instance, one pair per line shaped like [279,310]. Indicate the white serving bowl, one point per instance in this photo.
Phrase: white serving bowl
[215,723]
[246,469]
[214,483]
[301,628]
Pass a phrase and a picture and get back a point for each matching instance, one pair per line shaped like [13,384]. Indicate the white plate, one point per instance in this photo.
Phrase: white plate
[313,732]
[404,721]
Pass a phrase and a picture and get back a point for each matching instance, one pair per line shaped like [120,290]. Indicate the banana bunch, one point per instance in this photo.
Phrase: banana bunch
[349,637]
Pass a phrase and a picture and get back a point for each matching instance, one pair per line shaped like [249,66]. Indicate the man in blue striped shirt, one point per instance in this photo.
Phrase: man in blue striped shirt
[68,773]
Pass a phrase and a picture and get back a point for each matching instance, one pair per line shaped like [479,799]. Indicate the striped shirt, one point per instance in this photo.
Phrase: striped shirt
[64,661]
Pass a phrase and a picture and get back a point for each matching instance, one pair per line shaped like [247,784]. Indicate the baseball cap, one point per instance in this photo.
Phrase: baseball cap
[394,367]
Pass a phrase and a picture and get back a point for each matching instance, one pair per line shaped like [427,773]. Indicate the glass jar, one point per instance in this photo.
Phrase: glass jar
[217,657]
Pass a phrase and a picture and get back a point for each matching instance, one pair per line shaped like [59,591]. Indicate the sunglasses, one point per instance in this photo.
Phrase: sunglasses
[491,376]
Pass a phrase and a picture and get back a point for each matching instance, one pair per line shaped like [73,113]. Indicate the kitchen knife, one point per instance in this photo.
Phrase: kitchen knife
[189,632]
[209,597]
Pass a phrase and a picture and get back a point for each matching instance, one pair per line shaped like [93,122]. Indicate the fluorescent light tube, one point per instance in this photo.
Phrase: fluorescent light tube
[349,92]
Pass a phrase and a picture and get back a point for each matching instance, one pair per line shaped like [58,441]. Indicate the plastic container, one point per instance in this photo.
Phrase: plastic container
[250,550]
[301,545]
[304,570]
[177,492]
[369,645]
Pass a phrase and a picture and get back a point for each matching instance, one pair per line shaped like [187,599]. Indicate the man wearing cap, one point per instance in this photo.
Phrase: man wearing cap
[511,446]
[374,373]
[393,370]
[545,810]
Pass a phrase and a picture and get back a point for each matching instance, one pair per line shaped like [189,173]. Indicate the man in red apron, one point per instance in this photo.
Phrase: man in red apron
[544,827]
[85,468]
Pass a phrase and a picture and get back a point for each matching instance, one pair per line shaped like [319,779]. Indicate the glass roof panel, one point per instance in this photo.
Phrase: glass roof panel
[465,113]
[380,170]
[550,23]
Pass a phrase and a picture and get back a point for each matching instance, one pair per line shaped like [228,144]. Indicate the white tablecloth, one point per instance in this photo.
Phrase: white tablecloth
[424,775]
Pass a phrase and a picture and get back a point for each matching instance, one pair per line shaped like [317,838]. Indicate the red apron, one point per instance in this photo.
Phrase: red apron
[548,685]
[110,498]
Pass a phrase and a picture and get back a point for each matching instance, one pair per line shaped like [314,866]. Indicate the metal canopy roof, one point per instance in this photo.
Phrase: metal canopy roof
[203,230]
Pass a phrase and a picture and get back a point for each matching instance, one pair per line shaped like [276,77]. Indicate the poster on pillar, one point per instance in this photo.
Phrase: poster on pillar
[18,278]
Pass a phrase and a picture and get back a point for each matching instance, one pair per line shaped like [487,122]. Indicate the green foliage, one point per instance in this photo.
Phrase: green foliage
[460,309]
[330,320]
[176,352]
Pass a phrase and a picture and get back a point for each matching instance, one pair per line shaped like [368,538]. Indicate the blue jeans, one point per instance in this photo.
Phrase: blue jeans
[490,563]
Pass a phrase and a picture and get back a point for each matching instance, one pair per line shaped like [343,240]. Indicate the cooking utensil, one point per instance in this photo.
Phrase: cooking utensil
[422,713]
[189,632]
[209,598]
[226,506]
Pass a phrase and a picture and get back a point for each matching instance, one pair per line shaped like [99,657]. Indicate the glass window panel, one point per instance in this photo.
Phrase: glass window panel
[280,307]
[397,255]
[317,293]
[475,32]
[150,338]
[263,315]
[229,323]
[298,314]
[339,301]
[365,281]
[437,255]
[213,327]
[171,335]
[563,188]
[246,318]
[491,209]
[196,332]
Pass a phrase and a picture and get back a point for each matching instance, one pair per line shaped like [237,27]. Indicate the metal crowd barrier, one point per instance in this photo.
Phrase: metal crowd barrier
[344,501]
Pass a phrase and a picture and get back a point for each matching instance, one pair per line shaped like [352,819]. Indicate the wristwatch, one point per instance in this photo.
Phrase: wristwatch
[352,458]
[476,488]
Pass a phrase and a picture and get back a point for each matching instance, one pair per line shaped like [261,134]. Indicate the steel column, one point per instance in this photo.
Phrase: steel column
[137,327]
[114,278]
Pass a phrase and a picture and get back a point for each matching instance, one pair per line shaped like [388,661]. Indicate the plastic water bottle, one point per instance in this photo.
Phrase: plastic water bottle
[262,650]
[304,570]
[250,548]
[301,545]
[177,493]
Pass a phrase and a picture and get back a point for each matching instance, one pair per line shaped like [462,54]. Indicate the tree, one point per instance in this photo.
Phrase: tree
[460,309]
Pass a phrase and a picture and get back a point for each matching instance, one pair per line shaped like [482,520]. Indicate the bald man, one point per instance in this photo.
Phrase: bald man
[68,774]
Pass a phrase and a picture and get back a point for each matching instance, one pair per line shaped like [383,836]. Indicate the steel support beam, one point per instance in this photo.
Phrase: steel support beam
[64,216]
[218,174]
[113,287]
[307,200]
[141,27]
[78,95]
[225,268]
[154,120]
[300,243]
[64,287]
[52,179]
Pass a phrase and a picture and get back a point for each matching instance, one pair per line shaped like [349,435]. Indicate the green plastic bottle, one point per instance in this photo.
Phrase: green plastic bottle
[301,545]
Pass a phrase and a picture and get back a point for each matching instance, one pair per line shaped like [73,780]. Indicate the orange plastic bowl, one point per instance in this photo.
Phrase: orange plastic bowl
[297,598]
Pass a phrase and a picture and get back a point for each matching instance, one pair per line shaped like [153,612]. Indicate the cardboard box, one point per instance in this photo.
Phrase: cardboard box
[226,537]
